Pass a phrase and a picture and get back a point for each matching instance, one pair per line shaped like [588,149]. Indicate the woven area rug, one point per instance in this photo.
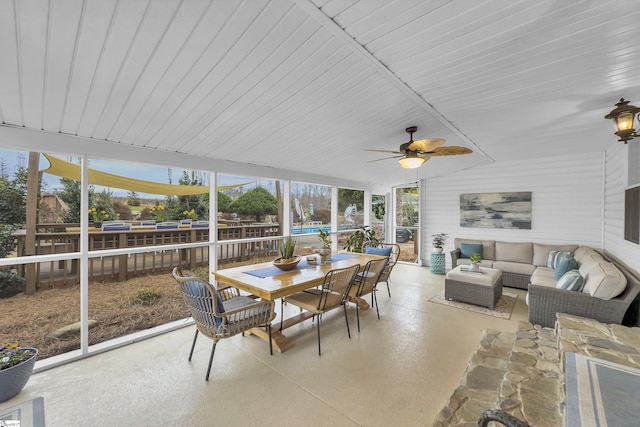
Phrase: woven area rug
[503,308]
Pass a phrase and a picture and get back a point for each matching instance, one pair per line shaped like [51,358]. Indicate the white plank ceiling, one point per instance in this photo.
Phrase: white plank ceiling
[309,85]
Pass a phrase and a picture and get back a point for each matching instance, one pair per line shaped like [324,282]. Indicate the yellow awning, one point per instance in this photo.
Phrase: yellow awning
[71,170]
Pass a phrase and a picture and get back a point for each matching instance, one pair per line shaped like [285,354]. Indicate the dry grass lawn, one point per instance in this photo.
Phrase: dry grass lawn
[30,319]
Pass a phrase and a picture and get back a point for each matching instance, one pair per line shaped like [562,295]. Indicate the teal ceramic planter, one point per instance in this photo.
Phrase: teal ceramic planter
[13,379]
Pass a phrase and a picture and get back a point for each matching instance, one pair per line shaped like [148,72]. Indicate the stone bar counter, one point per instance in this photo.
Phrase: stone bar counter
[522,373]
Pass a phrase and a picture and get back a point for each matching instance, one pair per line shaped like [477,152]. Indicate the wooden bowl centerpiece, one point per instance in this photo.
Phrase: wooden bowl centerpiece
[287,260]
[287,264]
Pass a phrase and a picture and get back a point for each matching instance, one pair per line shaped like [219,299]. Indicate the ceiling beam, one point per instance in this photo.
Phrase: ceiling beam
[338,32]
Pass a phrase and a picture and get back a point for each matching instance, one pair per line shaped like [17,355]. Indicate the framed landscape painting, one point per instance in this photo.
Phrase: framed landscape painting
[496,210]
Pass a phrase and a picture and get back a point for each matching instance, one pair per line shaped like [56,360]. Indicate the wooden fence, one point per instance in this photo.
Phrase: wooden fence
[120,267]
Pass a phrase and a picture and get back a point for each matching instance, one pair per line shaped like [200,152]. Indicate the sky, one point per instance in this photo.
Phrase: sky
[14,159]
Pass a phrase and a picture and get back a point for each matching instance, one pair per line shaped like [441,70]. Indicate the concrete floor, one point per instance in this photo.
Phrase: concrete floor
[399,370]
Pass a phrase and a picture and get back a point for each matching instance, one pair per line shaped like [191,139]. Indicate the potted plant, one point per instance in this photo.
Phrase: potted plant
[475,259]
[98,217]
[325,250]
[16,367]
[439,239]
[287,259]
[359,237]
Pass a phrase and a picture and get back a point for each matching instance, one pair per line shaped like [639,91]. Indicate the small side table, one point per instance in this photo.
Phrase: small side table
[437,262]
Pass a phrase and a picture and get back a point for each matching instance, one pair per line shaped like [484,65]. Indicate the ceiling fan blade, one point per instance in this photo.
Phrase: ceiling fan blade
[386,151]
[425,156]
[450,151]
[385,158]
[425,145]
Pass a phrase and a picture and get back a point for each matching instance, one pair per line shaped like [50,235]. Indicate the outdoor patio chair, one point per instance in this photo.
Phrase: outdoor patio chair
[330,295]
[392,250]
[223,312]
[365,283]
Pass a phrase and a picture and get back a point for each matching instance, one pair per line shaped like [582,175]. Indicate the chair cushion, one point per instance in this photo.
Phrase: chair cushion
[565,265]
[571,281]
[468,249]
[378,251]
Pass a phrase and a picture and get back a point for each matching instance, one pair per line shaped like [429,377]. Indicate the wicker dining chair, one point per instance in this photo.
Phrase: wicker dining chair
[392,250]
[365,283]
[330,295]
[222,313]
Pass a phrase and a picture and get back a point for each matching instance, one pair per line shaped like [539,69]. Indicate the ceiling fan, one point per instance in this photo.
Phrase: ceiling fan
[413,154]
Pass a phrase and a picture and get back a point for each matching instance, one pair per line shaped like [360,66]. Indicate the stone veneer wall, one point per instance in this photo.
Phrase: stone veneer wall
[522,373]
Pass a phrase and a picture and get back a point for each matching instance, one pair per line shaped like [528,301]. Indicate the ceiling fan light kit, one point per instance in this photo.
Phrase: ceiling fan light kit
[411,161]
[413,154]
[623,116]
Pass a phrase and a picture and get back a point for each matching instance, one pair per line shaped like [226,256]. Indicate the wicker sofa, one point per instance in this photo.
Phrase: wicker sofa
[516,260]
[524,266]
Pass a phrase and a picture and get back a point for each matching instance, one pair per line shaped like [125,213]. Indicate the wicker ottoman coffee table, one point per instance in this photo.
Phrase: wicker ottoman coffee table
[484,288]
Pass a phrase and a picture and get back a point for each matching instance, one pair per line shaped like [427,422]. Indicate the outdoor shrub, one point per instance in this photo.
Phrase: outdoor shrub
[145,296]
[7,241]
[201,272]
[10,284]
[122,210]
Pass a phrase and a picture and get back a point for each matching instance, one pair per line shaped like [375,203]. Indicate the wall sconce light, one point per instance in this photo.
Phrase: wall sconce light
[411,161]
[623,116]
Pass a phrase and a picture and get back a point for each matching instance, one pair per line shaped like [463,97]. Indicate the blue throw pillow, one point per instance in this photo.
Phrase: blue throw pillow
[378,251]
[565,265]
[468,249]
[571,281]
[555,257]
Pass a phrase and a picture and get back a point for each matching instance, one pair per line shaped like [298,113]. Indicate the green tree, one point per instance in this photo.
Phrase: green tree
[70,194]
[224,202]
[257,201]
[13,203]
[348,197]
[176,206]
[133,199]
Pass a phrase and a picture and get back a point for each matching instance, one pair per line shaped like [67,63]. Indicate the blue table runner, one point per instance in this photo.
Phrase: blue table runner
[274,271]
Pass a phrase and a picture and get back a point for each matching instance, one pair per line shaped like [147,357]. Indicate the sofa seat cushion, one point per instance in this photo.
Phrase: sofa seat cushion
[605,281]
[515,267]
[515,252]
[484,263]
[541,252]
[544,276]
[488,246]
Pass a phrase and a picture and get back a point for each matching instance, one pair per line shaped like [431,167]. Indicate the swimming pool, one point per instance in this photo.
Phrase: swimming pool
[310,229]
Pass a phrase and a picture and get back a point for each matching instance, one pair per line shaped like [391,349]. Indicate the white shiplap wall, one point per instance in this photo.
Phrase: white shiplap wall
[567,200]
[615,184]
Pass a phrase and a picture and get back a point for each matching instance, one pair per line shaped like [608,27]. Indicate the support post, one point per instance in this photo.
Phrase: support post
[32,219]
